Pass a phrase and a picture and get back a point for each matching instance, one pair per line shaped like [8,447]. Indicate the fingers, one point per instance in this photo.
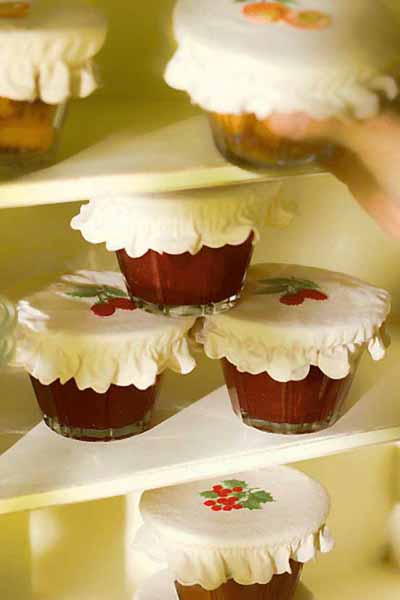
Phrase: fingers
[368,192]
[300,126]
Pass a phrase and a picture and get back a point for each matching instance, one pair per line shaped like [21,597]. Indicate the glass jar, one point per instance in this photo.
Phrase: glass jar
[29,133]
[281,587]
[208,282]
[249,143]
[86,415]
[294,407]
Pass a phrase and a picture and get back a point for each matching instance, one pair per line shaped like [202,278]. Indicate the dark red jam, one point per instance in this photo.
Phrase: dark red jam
[281,587]
[119,413]
[293,407]
[210,277]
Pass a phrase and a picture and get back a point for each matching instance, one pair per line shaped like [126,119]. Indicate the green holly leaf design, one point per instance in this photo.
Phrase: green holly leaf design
[209,495]
[262,496]
[233,483]
[102,292]
[252,503]
[278,289]
[283,286]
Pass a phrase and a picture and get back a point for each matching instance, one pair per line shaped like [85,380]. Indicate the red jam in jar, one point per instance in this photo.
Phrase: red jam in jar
[281,587]
[312,404]
[185,284]
[119,413]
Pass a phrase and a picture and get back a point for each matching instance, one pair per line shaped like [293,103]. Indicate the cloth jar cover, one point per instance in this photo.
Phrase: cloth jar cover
[48,53]
[182,222]
[291,317]
[322,57]
[205,542]
[63,333]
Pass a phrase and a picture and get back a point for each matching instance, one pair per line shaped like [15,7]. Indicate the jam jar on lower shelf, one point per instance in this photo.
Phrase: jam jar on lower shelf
[94,359]
[47,59]
[184,253]
[291,348]
[243,536]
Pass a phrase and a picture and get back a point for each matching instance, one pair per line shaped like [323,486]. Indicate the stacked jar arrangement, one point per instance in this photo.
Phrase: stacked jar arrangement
[290,337]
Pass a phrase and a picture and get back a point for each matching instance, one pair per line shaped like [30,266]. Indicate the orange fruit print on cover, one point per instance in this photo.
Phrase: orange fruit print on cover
[285,11]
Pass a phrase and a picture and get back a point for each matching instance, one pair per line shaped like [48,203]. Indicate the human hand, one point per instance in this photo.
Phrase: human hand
[368,162]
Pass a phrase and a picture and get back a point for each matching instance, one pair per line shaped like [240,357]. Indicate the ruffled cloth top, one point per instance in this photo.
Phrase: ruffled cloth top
[246,527]
[8,320]
[291,317]
[48,54]
[84,328]
[184,221]
[322,57]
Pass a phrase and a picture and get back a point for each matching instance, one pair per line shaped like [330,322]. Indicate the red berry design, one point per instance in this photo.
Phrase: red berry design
[235,495]
[231,500]
[314,295]
[122,303]
[103,309]
[292,299]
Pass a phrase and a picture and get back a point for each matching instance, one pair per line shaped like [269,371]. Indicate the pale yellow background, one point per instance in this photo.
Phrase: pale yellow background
[83,552]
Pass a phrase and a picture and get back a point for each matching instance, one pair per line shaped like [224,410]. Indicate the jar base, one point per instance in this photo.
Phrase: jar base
[274,164]
[291,428]
[85,434]
[196,310]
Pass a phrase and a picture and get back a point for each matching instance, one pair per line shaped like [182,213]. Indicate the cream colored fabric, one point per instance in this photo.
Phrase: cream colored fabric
[48,54]
[261,334]
[182,222]
[207,548]
[229,64]
[59,337]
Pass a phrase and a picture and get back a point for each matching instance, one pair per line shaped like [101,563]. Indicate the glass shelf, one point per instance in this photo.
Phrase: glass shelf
[114,147]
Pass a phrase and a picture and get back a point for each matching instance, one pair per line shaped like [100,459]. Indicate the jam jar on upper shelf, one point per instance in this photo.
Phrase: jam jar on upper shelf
[183,253]
[46,53]
[244,61]
[291,348]
[94,360]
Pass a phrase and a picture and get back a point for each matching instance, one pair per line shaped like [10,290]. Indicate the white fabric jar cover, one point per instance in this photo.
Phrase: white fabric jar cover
[275,329]
[322,57]
[48,54]
[282,518]
[183,221]
[60,337]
